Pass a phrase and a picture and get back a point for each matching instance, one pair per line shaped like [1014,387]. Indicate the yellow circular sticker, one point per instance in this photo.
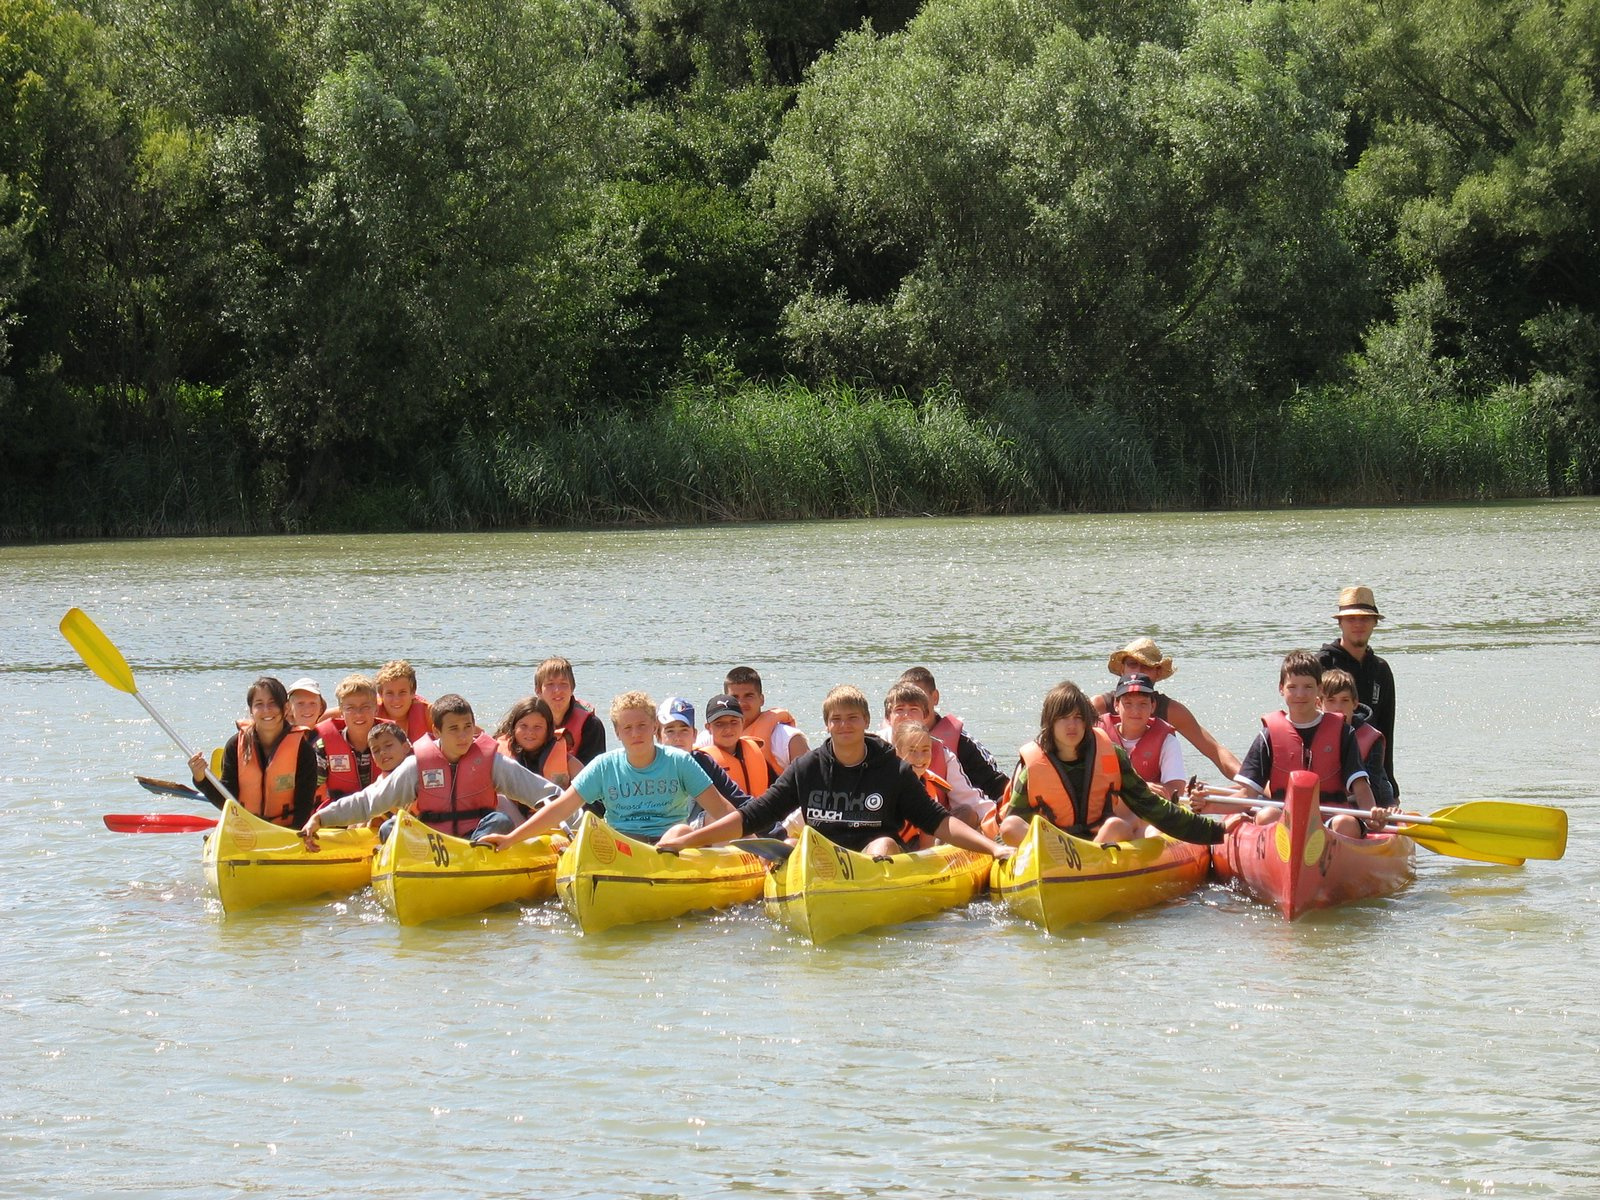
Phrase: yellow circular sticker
[604,850]
[1315,841]
[1280,841]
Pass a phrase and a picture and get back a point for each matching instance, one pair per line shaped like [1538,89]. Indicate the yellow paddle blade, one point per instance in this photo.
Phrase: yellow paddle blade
[97,651]
[1500,829]
[1440,842]
[216,762]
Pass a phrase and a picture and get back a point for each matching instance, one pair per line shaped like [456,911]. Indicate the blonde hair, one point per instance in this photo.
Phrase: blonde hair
[846,696]
[908,733]
[397,668]
[351,684]
[632,700]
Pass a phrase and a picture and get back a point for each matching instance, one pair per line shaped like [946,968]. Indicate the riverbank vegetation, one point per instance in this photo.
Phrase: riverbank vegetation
[380,264]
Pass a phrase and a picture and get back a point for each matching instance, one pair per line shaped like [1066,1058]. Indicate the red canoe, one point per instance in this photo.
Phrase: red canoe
[1298,864]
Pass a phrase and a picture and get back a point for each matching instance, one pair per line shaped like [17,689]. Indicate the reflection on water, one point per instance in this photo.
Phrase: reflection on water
[1434,1043]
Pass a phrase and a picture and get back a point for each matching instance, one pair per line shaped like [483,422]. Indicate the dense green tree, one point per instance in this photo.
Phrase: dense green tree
[1008,194]
[1478,195]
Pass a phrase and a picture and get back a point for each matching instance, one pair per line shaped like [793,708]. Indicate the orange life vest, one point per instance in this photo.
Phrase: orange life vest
[761,729]
[1289,753]
[343,775]
[552,757]
[417,723]
[910,836]
[267,789]
[454,797]
[1047,791]
[748,768]
[1146,752]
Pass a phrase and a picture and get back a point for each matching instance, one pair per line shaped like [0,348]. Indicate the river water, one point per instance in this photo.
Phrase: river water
[1442,1042]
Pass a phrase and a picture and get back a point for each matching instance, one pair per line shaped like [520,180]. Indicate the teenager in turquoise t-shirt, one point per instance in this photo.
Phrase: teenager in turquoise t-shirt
[647,788]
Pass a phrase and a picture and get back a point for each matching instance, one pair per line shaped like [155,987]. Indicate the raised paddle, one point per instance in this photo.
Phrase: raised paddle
[158,823]
[105,660]
[1487,830]
[165,787]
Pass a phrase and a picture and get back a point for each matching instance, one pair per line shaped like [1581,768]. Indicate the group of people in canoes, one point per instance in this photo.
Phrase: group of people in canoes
[1104,767]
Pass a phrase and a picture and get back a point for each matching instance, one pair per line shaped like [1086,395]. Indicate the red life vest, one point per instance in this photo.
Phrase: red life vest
[1367,736]
[947,730]
[1048,793]
[454,797]
[1289,754]
[267,789]
[417,723]
[748,768]
[343,776]
[1146,752]
[572,732]
[761,729]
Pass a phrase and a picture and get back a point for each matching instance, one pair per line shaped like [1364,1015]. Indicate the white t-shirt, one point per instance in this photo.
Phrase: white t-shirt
[1171,756]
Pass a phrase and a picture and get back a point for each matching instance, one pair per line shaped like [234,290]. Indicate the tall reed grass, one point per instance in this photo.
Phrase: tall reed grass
[752,452]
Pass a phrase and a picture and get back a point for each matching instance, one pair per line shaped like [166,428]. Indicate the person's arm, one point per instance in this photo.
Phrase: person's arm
[1385,724]
[548,817]
[528,788]
[957,832]
[1184,721]
[230,772]
[392,791]
[965,800]
[1172,819]
[1256,769]
[980,766]
[1382,790]
[307,781]
[796,746]
[720,779]
[1172,772]
[725,828]
[715,804]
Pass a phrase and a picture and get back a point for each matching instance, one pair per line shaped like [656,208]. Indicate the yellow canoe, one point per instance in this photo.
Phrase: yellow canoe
[249,861]
[824,891]
[606,878]
[422,875]
[1056,880]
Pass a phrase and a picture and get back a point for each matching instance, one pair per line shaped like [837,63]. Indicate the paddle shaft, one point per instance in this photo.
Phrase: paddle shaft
[173,734]
[157,823]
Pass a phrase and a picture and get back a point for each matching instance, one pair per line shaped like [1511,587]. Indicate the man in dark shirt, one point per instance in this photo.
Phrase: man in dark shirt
[852,789]
[1358,615]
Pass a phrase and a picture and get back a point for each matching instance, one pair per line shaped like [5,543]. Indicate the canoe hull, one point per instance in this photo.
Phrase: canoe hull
[824,891]
[249,862]
[423,875]
[1297,865]
[1057,881]
[606,879]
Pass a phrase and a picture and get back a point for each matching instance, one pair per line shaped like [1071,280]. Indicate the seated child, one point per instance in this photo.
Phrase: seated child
[398,700]
[914,746]
[527,734]
[976,761]
[852,790]
[1339,695]
[908,702]
[1151,743]
[574,720]
[647,789]
[306,705]
[454,782]
[676,718]
[344,755]
[1076,776]
[1303,737]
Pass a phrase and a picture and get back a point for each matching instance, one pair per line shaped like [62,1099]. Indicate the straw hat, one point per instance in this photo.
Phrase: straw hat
[1357,602]
[1144,652]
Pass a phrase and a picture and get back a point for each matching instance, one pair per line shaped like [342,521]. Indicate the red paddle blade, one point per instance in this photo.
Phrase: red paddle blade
[157,823]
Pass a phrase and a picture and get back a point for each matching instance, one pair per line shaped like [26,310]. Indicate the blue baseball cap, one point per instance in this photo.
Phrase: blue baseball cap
[676,708]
